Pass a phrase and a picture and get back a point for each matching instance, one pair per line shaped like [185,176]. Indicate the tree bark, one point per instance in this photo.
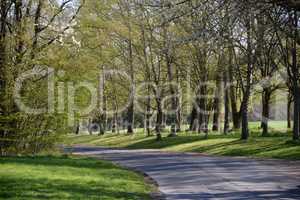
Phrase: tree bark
[179,104]
[202,106]
[37,28]
[3,34]
[77,129]
[245,129]
[19,31]
[236,115]
[296,128]
[226,105]
[159,119]
[130,111]
[289,105]
[174,99]
[194,116]
[130,117]
[295,78]
[148,79]
[103,117]
[90,127]
[114,123]
[266,97]
[130,114]
[216,107]
[247,86]
[148,117]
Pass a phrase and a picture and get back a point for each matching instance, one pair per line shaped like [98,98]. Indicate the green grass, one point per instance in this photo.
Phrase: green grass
[68,178]
[277,145]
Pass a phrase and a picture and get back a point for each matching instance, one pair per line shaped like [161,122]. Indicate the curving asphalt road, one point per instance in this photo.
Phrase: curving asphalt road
[183,176]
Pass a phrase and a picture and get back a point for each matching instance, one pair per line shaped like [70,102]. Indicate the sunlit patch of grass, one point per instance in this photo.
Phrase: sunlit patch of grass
[68,178]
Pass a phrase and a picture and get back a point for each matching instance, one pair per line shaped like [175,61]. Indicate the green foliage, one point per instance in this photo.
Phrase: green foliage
[33,134]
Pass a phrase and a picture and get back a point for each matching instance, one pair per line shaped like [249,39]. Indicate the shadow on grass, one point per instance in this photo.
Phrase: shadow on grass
[277,147]
[257,146]
[182,139]
[166,142]
[216,146]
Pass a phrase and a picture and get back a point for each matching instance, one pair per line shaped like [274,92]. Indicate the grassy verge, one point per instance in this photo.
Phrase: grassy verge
[68,178]
[277,145]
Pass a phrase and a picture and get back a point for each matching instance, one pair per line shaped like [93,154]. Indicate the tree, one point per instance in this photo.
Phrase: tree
[24,38]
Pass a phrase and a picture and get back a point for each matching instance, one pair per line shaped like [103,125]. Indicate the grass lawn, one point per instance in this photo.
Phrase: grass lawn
[68,178]
[277,145]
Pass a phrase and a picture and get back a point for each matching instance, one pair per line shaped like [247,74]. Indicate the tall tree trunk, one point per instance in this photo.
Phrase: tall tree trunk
[247,86]
[216,106]
[115,123]
[296,128]
[295,79]
[19,31]
[266,96]
[3,32]
[236,115]
[148,125]
[201,115]
[226,105]
[218,92]
[148,79]
[203,112]
[159,119]
[130,117]
[90,127]
[245,129]
[130,111]
[194,117]
[37,27]
[179,104]
[103,117]
[148,116]
[130,114]
[175,123]
[102,105]
[206,122]
[179,116]
[289,105]
[77,128]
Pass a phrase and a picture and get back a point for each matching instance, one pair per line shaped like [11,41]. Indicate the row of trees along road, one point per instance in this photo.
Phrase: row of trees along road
[237,43]
[232,44]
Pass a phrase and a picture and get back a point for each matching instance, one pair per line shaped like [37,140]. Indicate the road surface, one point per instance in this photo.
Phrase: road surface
[182,176]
